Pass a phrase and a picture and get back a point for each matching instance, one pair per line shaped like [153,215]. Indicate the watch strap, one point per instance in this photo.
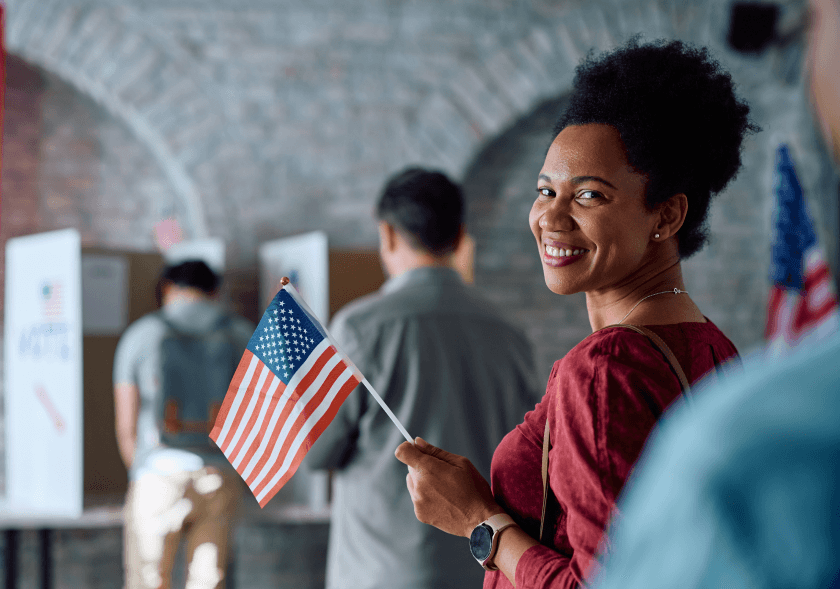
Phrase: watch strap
[497,523]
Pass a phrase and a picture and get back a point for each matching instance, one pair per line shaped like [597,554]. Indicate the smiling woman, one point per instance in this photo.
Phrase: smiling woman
[650,134]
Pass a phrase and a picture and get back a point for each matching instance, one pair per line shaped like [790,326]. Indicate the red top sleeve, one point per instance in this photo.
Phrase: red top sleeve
[602,400]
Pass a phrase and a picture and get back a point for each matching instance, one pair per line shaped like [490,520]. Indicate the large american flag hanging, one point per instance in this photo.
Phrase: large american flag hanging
[803,305]
[286,390]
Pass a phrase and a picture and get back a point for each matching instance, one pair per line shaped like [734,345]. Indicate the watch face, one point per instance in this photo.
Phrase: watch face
[481,542]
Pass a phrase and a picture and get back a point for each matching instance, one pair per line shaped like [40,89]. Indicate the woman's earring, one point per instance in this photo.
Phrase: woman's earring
[656,236]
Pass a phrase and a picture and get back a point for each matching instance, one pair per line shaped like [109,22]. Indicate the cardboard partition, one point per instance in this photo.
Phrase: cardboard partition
[115,284]
[353,273]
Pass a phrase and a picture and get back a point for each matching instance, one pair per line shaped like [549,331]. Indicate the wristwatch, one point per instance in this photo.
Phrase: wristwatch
[484,539]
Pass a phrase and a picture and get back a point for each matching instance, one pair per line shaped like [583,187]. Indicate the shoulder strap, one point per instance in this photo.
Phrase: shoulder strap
[684,385]
[663,347]
[223,322]
[545,449]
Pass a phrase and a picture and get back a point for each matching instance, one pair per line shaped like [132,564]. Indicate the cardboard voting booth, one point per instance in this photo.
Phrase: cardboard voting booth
[65,309]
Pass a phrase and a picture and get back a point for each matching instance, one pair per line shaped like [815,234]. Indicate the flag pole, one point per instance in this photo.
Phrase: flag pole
[387,410]
[284,282]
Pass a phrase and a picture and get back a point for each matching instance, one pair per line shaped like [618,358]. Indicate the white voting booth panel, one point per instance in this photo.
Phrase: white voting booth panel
[65,310]
[305,260]
[43,375]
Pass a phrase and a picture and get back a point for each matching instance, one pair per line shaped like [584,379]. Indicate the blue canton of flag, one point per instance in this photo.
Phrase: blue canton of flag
[285,337]
[794,232]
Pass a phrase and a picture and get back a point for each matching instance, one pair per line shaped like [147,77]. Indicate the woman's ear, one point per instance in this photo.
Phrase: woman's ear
[671,217]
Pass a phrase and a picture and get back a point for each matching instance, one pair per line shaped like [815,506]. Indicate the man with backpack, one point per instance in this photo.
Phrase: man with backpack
[171,371]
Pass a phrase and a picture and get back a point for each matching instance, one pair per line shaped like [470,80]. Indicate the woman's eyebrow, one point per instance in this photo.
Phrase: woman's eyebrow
[580,180]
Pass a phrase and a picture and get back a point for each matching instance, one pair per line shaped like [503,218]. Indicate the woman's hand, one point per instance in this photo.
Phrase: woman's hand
[447,490]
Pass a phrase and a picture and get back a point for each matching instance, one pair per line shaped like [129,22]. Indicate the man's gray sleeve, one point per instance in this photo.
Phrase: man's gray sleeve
[335,447]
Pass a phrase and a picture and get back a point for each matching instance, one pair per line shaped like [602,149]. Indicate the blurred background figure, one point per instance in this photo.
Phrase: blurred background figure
[171,371]
[451,367]
[742,490]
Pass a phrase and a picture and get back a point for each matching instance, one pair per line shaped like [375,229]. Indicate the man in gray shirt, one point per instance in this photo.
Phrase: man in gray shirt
[452,369]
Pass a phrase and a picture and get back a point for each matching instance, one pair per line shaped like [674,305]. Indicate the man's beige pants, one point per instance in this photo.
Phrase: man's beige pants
[199,506]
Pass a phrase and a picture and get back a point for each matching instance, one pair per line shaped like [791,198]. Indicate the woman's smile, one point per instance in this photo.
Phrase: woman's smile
[562,254]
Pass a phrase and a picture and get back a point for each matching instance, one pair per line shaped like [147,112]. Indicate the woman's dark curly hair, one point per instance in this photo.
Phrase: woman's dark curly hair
[679,119]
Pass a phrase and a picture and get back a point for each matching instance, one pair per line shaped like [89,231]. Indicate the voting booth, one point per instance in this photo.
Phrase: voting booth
[65,309]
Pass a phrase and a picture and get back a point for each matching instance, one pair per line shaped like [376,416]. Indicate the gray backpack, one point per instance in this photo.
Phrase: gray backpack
[196,371]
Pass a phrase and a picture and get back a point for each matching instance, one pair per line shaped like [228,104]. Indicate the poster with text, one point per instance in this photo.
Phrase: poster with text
[43,375]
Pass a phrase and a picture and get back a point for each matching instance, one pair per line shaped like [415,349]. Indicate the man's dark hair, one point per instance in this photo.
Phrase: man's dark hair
[193,274]
[426,207]
[679,119]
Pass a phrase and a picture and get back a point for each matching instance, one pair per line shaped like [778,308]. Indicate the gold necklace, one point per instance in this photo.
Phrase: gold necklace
[675,291]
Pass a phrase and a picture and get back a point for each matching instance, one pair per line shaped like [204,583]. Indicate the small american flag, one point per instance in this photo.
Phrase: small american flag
[51,297]
[803,305]
[286,390]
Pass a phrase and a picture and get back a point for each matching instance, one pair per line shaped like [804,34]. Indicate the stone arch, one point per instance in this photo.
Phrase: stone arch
[158,95]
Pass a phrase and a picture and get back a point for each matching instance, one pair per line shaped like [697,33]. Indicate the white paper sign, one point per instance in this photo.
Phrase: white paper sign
[305,260]
[43,375]
[104,294]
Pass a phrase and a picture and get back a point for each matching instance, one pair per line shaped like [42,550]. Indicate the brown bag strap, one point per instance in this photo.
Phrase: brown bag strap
[684,385]
[545,448]
[663,347]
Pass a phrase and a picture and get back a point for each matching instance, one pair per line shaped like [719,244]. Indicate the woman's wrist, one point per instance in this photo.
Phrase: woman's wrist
[482,515]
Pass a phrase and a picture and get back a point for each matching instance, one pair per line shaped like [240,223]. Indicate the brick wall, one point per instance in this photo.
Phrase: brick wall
[276,117]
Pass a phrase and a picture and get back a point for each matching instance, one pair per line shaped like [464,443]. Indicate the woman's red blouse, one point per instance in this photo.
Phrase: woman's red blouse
[599,424]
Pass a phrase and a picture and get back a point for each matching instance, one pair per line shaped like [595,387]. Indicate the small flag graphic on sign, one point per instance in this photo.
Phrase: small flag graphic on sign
[286,390]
